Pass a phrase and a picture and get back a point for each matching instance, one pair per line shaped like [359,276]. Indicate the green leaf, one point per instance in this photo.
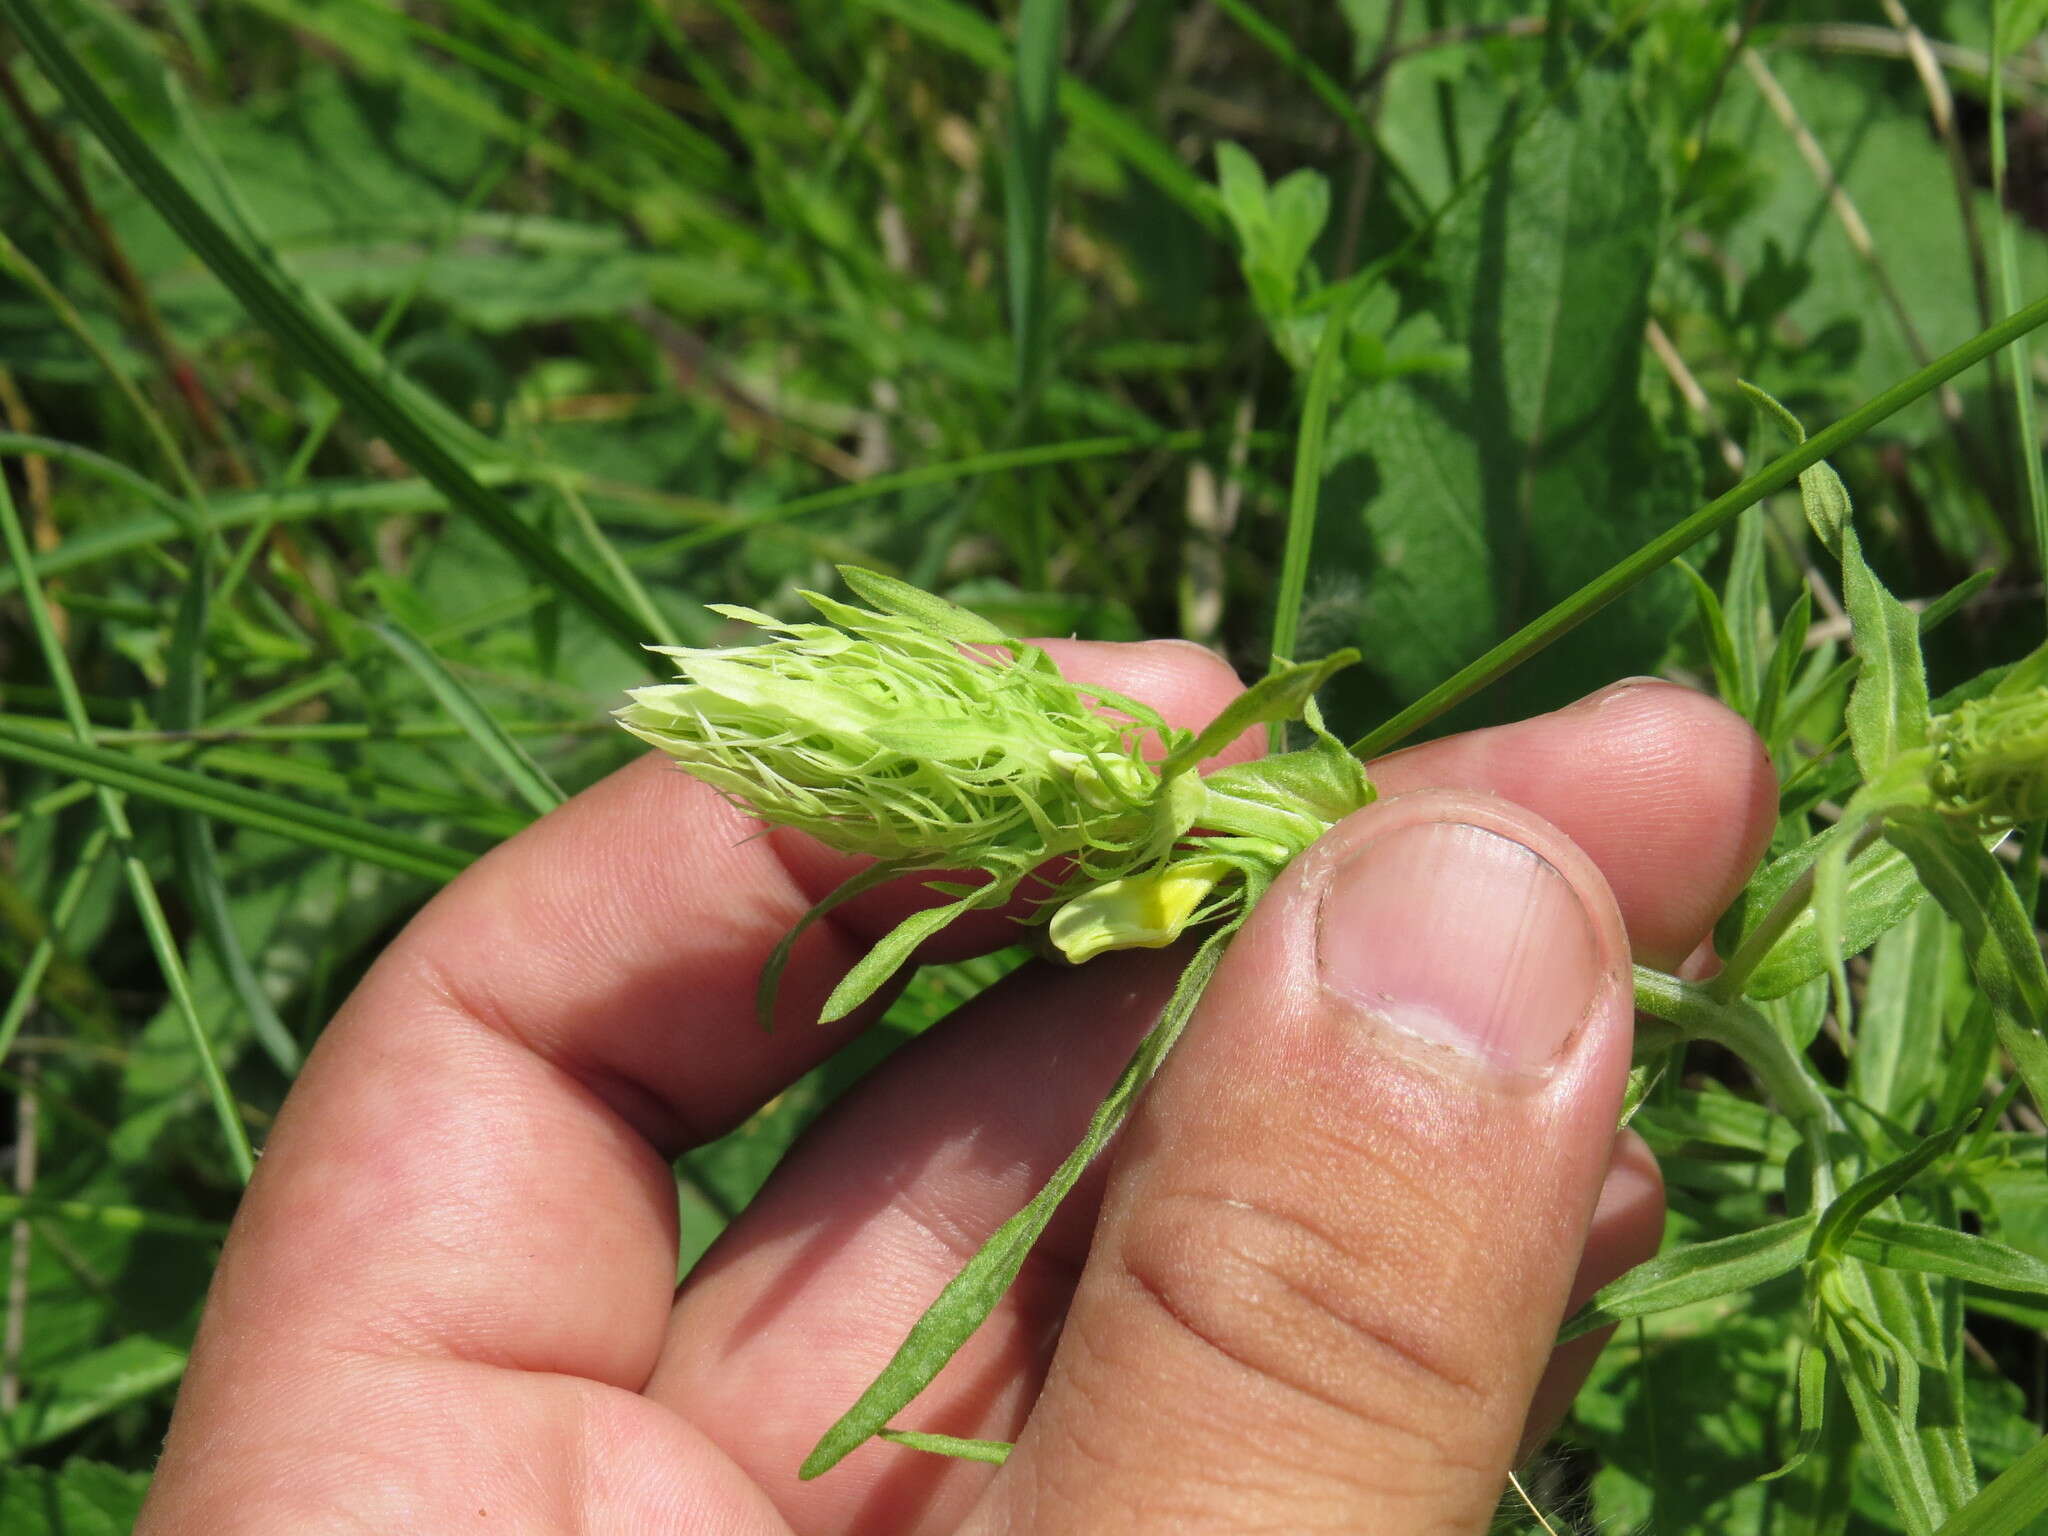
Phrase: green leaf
[1282,694]
[1880,890]
[1785,657]
[1728,679]
[893,949]
[527,778]
[1998,938]
[1482,502]
[87,1387]
[225,801]
[2011,1504]
[1932,1250]
[994,1452]
[886,594]
[971,1295]
[1847,1211]
[1696,1273]
[77,1498]
[1915,970]
[1888,708]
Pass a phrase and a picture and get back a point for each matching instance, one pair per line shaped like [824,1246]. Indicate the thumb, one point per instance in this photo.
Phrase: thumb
[1341,1231]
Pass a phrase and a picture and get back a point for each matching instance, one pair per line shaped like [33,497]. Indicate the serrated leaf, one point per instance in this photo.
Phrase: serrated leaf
[1482,501]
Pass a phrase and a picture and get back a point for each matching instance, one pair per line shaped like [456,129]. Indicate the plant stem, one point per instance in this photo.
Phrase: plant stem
[1783,914]
[1736,1026]
[1617,579]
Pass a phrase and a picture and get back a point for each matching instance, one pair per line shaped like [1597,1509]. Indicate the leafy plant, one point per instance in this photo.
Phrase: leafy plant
[374,378]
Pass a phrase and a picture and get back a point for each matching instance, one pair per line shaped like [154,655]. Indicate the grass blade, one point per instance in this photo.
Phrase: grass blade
[527,778]
[184,789]
[142,888]
[275,305]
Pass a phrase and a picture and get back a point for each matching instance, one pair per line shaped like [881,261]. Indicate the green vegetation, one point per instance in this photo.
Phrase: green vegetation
[376,375]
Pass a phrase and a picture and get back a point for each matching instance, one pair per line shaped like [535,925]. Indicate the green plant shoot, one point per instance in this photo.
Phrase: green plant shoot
[919,735]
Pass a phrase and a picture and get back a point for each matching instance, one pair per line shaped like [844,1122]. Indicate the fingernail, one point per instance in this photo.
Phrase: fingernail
[1464,937]
[1621,689]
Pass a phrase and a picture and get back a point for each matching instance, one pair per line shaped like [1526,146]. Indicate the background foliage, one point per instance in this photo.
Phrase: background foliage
[496,337]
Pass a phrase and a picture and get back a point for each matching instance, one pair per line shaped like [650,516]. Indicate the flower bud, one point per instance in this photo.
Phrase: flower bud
[1991,759]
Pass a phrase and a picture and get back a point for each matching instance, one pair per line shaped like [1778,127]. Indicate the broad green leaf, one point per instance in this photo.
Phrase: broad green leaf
[971,1295]
[87,1387]
[1481,502]
[1696,1273]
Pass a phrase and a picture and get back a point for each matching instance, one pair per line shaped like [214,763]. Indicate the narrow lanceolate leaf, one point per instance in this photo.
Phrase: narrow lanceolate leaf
[1879,891]
[994,1452]
[972,1294]
[2012,1504]
[1282,695]
[184,789]
[312,342]
[1888,709]
[1698,1273]
[1932,1250]
[1998,938]
[1855,1203]
[527,778]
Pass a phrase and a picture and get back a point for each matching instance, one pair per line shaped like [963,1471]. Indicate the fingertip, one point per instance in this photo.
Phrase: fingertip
[1188,684]
[1671,792]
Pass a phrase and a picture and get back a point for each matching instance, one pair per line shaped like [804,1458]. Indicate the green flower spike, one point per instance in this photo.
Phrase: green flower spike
[921,736]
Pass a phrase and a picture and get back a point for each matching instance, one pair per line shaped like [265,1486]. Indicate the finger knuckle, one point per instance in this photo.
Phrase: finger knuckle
[1274,1293]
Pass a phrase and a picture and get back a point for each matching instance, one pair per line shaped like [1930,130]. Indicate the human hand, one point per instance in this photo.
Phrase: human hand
[1313,1286]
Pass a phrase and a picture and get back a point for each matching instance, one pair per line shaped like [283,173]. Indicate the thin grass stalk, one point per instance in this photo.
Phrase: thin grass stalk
[142,888]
